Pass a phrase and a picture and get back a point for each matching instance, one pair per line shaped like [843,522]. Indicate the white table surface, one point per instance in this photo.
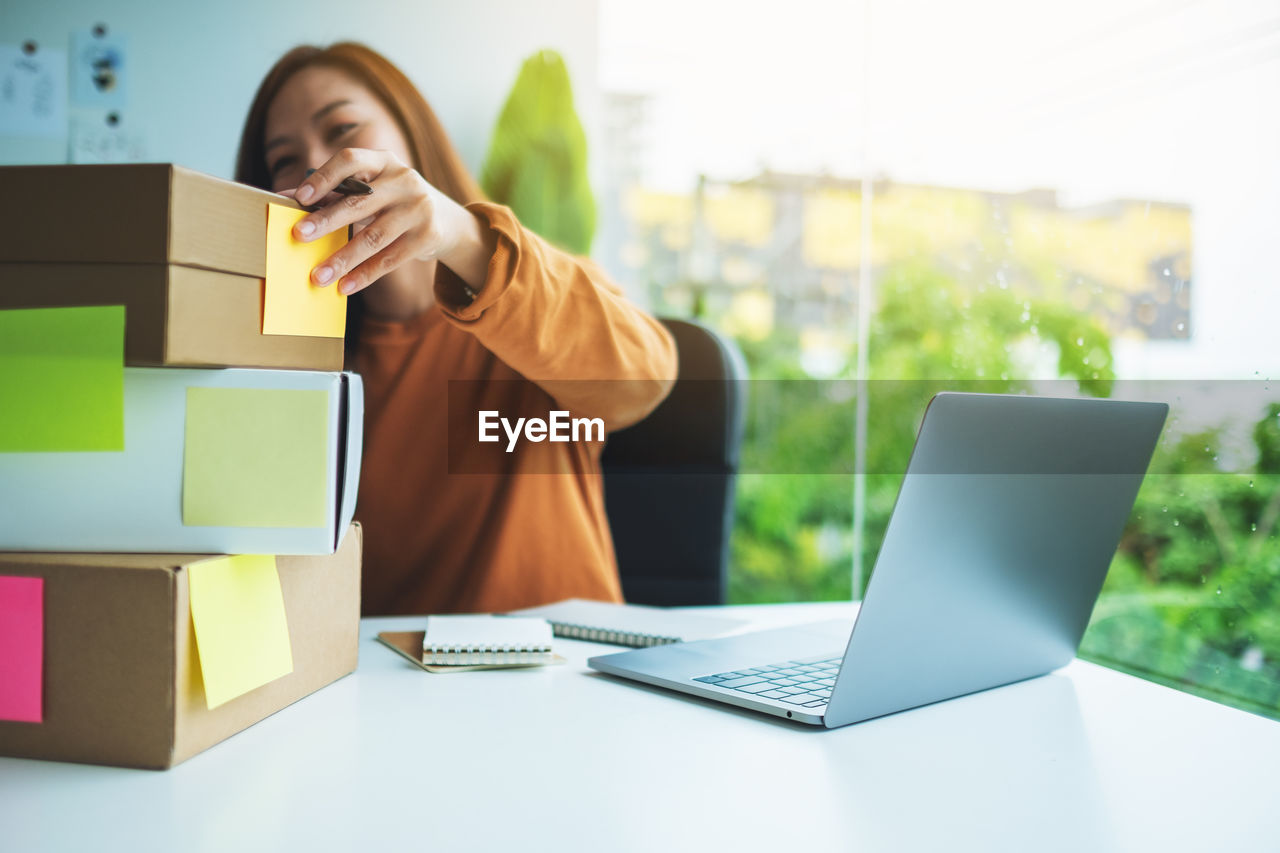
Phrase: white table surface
[393,758]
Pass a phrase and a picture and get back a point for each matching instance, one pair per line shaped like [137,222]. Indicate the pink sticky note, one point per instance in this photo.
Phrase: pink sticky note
[21,649]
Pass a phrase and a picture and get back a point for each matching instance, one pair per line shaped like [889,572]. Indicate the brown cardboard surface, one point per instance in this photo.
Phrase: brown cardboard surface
[108,670]
[141,289]
[155,213]
[216,319]
[121,674]
[174,315]
[322,607]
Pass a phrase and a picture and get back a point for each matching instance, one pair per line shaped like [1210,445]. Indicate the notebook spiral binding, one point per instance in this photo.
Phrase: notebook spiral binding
[482,655]
[604,635]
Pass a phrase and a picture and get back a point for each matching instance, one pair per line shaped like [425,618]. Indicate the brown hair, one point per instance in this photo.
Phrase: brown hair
[434,156]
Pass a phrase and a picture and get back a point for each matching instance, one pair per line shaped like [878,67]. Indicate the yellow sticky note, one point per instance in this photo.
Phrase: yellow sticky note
[256,457]
[241,633]
[292,304]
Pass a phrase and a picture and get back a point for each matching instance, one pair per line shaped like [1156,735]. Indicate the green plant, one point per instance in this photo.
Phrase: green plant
[537,161]
[792,538]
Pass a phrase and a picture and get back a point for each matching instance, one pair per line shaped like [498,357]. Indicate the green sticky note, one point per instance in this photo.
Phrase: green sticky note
[255,458]
[62,379]
[242,636]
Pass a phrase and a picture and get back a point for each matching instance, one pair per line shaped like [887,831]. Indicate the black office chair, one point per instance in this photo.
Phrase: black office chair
[669,480]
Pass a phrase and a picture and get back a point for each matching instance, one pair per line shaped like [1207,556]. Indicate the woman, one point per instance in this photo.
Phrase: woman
[446,286]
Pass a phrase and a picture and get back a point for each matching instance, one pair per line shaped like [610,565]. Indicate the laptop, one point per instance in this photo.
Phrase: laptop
[1006,521]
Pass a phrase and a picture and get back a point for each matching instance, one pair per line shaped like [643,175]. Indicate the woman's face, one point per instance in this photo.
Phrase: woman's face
[317,112]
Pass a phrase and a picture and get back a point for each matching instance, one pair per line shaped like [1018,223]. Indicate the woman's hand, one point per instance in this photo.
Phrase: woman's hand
[403,219]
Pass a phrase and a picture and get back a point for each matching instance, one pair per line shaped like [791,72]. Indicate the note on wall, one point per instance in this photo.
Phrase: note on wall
[255,457]
[62,379]
[241,632]
[292,304]
[21,649]
[105,136]
[99,68]
[33,91]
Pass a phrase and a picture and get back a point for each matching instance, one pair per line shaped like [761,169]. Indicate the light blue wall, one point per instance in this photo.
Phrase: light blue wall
[195,66]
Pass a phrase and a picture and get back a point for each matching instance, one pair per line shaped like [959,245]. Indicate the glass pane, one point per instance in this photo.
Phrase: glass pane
[1012,193]
[718,134]
[1086,191]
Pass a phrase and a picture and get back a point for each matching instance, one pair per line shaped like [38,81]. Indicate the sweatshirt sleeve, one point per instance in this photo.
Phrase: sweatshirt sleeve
[560,322]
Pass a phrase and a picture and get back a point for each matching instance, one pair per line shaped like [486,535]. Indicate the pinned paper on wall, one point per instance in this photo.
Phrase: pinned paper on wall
[62,379]
[242,635]
[99,70]
[104,136]
[21,649]
[33,91]
[255,457]
[292,304]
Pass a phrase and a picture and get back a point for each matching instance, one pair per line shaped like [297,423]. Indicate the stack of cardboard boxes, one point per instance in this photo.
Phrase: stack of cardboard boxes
[125,456]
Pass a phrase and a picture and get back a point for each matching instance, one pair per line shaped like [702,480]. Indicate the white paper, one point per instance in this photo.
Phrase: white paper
[33,92]
[486,632]
[94,139]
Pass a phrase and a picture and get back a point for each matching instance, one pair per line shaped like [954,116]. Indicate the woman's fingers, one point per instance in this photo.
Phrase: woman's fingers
[375,267]
[372,239]
[360,163]
[291,193]
[332,210]
[393,186]
[339,211]
[394,222]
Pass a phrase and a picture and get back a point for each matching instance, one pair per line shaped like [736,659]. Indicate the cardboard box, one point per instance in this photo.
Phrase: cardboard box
[174,315]
[136,213]
[133,500]
[122,680]
[184,252]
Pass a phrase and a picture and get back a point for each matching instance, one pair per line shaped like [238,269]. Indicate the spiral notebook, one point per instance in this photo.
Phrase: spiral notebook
[408,644]
[485,640]
[628,624]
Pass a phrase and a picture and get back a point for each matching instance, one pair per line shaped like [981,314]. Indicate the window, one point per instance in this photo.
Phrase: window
[1001,192]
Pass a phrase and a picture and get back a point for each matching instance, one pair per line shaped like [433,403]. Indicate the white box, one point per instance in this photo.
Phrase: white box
[132,501]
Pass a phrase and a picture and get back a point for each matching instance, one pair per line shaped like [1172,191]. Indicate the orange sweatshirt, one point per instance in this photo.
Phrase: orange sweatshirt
[547,332]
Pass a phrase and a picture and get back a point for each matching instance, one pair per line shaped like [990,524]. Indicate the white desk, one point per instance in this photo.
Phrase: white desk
[393,758]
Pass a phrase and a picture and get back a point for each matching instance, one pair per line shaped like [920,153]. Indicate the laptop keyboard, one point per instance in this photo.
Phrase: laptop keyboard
[805,683]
